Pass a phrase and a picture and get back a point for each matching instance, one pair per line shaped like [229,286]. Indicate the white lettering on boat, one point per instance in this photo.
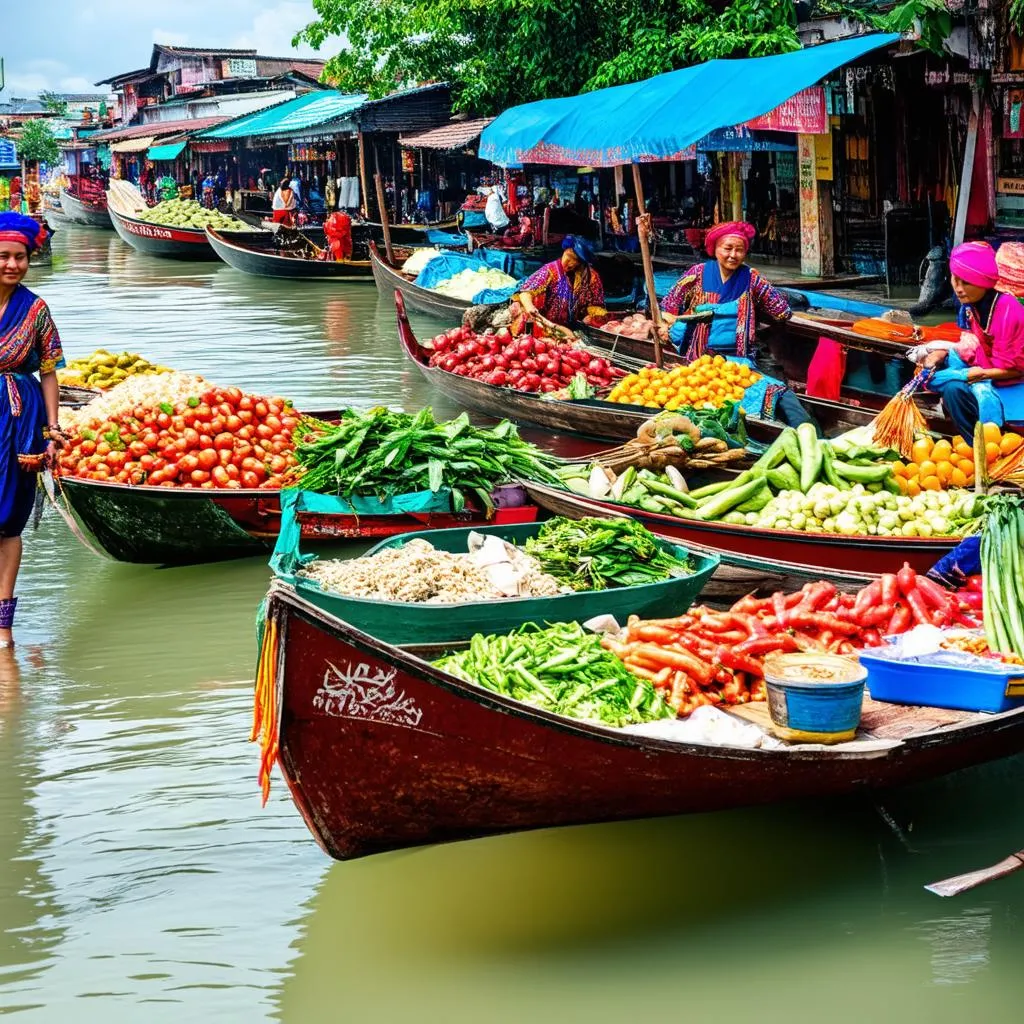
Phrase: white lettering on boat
[357,691]
[147,230]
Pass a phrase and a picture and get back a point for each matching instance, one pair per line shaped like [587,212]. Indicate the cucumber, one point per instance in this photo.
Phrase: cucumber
[717,506]
[811,455]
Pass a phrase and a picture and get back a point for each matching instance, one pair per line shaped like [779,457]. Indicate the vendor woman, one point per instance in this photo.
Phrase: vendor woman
[565,291]
[981,377]
[29,429]
[735,296]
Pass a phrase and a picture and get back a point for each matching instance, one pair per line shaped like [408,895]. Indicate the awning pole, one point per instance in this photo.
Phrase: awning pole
[385,221]
[362,175]
[643,227]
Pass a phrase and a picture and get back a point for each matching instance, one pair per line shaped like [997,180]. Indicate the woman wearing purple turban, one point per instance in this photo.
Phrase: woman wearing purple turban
[982,378]
[29,429]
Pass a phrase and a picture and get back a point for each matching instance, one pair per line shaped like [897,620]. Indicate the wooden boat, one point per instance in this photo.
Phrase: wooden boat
[75,211]
[161,240]
[262,254]
[589,418]
[811,555]
[389,279]
[382,751]
[169,526]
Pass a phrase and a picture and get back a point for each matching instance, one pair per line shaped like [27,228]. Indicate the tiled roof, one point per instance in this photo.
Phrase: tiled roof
[157,129]
[455,135]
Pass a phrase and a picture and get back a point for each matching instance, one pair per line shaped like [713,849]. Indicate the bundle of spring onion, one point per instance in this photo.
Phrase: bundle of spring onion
[1003,582]
[594,554]
[384,453]
[561,669]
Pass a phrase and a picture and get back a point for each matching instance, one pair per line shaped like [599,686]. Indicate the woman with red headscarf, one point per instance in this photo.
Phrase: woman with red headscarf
[29,429]
[981,377]
[733,296]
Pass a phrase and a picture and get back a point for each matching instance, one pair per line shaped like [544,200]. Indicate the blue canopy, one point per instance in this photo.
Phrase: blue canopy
[658,119]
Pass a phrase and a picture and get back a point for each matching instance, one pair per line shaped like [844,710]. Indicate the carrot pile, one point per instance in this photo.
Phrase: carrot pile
[715,657]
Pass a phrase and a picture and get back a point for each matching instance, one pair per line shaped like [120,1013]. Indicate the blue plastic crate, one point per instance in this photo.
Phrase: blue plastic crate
[946,679]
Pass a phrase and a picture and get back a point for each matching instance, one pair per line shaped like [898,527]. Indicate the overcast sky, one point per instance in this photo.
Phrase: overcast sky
[68,45]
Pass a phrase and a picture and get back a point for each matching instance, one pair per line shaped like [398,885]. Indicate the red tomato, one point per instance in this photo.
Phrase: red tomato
[199,476]
[246,433]
[116,459]
[233,395]
[224,457]
[147,462]
[88,447]
[289,423]
[250,481]
[208,458]
[150,439]
[232,424]
[273,481]
[234,485]
[246,403]
[188,463]
[138,449]
[242,451]
[224,442]
[225,409]
[103,448]
[246,416]
[191,437]
[122,477]
[177,424]
[251,463]
[233,472]
[203,411]
[278,464]
[156,478]
[216,425]
[264,432]
[273,422]
[220,476]
[163,421]
[260,409]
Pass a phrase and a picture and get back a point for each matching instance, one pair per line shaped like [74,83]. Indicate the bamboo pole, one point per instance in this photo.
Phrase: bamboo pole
[362,175]
[643,226]
[385,220]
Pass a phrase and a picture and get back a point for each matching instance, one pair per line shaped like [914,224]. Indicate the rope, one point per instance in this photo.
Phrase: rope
[265,725]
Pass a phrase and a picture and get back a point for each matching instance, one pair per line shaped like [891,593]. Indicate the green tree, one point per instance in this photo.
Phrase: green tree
[497,53]
[38,144]
[54,103]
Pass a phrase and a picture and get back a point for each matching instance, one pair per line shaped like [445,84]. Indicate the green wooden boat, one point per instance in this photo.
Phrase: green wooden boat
[443,623]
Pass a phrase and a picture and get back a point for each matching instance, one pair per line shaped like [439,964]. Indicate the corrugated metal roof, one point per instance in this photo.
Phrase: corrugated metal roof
[158,128]
[456,135]
[295,115]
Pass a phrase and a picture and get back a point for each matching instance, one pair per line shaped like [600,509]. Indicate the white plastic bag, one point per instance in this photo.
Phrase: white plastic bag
[495,212]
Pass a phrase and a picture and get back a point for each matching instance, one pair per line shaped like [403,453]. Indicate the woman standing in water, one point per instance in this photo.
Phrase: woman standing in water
[29,426]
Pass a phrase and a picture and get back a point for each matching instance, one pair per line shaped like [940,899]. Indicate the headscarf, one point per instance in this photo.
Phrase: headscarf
[1010,261]
[16,227]
[975,263]
[583,249]
[740,228]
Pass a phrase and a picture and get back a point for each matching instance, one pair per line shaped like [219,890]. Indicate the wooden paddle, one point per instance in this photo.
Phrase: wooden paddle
[961,883]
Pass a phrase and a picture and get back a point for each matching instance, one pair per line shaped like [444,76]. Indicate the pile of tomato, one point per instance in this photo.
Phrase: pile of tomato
[222,439]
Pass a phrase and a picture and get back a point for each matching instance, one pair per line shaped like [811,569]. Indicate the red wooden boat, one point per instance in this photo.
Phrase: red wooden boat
[168,526]
[382,751]
[810,555]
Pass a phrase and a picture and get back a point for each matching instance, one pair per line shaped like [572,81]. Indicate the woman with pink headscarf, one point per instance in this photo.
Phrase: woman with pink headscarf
[733,296]
[981,377]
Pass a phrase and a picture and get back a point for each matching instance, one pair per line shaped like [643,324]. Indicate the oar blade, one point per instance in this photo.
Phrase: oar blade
[961,883]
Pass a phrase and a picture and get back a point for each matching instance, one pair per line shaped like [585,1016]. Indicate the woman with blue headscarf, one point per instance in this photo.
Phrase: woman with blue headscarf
[29,428]
[565,291]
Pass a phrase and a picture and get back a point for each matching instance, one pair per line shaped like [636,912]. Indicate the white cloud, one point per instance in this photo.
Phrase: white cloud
[272,30]
[169,37]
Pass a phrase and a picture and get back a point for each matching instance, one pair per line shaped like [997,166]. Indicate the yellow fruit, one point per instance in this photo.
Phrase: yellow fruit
[899,470]
[992,433]
[958,478]
[912,470]
[942,451]
[913,488]
[991,449]
[902,483]
[943,470]
[927,468]
[922,449]
[1010,442]
[931,483]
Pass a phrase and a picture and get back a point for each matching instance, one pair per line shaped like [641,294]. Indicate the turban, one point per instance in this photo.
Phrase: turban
[583,249]
[15,227]
[739,228]
[1010,261]
[975,263]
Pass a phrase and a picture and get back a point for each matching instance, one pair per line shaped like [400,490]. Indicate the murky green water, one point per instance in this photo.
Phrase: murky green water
[140,881]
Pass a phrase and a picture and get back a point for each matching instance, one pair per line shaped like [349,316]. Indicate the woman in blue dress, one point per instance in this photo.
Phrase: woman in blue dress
[29,426]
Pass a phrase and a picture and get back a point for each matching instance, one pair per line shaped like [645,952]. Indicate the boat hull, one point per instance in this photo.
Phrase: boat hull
[381,751]
[423,300]
[74,211]
[159,240]
[233,250]
[811,555]
[167,526]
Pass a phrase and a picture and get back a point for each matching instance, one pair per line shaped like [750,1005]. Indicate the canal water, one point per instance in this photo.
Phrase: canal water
[141,881]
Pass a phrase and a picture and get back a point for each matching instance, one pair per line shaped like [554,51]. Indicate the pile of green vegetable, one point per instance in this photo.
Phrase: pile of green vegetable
[594,554]
[1002,580]
[385,453]
[562,669]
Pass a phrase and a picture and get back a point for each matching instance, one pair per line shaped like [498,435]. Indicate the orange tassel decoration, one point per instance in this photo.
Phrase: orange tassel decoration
[896,425]
[265,726]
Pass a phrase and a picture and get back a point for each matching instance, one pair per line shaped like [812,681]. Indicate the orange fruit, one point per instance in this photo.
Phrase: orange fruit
[958,478]
[913,488]
[899,470]
[958,441]
[912,470]
[965,451]
[927,468]
[991,450]
[992,433]
[922,449]
[931,483]
[902,483]
[1010,443]
[941,451]
[943,470]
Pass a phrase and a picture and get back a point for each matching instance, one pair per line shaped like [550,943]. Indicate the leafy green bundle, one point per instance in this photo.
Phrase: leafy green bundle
[595,554]
[562,669]
[384,453]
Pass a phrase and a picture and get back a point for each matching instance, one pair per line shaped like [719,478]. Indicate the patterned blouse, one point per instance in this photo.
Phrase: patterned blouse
[563,300]
[759,298]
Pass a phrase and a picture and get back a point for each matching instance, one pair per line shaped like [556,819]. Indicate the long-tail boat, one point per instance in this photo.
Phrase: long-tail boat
[262,254]
[77,211]
[383,751]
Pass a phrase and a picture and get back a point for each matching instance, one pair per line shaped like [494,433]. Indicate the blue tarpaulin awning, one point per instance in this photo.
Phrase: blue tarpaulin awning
[169,151]
[660,118]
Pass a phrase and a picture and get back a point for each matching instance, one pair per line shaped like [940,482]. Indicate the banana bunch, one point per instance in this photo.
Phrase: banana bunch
[104,370]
